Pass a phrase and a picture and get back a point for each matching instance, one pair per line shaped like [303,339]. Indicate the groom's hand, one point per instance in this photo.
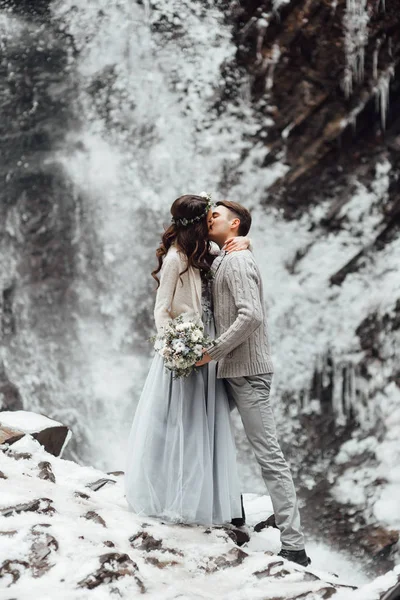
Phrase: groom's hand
[203,361]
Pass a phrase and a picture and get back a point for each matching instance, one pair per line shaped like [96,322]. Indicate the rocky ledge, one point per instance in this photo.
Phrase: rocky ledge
[66,530]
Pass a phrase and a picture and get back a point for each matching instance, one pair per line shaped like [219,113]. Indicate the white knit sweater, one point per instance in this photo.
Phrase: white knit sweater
[177,294]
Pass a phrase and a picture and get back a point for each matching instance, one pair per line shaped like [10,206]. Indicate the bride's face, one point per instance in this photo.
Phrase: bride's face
[209,219]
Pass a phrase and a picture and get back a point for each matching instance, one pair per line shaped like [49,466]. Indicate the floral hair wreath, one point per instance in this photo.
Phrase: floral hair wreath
[186,222]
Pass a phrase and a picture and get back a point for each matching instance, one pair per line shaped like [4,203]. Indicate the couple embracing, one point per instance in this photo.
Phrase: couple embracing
[181,462]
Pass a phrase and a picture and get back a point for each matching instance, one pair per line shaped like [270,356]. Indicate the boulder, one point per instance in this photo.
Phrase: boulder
[51,434]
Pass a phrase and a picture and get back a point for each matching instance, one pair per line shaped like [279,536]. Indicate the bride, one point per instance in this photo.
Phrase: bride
[181,460]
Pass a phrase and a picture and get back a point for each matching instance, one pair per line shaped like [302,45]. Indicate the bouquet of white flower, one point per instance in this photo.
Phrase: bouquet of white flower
[181,345]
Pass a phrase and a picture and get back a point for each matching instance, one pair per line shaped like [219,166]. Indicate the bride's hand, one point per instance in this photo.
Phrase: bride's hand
[236,244]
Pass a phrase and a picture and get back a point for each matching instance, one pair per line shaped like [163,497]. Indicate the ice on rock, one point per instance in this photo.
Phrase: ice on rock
[277,4]
[355,24]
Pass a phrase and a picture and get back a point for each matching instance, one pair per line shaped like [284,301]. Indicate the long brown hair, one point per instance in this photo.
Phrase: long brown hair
[191,238]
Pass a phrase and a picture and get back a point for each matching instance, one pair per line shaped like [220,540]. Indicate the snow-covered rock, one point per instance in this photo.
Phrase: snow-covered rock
[72,536]
[54,436]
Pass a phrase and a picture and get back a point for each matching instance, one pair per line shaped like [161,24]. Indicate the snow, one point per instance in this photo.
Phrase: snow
[353,447]
[373,590]
[27,421]
[189,552]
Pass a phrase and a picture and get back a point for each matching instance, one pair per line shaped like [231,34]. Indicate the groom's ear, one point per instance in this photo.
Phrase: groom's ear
[235,223]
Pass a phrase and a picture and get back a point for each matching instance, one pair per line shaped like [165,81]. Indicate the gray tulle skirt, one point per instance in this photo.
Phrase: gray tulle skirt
[181,460]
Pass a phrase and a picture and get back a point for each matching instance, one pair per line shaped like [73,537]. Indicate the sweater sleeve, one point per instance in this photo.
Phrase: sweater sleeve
[169,276]
[243,281]
[215,250]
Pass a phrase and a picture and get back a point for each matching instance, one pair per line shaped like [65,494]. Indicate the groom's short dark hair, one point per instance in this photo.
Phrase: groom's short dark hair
[241,213]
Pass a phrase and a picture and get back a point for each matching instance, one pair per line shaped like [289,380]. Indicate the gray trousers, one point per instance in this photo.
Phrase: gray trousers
[251,396]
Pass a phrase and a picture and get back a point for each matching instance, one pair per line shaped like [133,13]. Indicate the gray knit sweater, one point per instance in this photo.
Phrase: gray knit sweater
[242,346]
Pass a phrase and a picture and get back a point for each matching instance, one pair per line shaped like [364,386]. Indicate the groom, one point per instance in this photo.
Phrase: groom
[244,361]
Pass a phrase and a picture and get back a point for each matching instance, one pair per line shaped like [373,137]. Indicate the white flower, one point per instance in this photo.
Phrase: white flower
[196,335]
[158,344]
[178,346]
[180,327]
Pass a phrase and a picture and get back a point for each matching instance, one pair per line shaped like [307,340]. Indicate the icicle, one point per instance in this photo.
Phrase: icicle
[337,395]
[275,56]
[362,407]
[356,37]
[285,132]
[262,26]
[352,389]
[247,27]
[382,94]
[345,389]
[306,398]
[375,58]
[147,9]
[326,371]
[349,390]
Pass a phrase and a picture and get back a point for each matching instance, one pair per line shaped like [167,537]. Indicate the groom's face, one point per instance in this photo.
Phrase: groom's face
[219,224]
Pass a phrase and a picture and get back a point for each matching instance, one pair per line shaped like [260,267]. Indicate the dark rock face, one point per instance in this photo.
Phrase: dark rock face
[298,62]
[52,438]
[374,329]
[38,207]
[36,200]
[10,397]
